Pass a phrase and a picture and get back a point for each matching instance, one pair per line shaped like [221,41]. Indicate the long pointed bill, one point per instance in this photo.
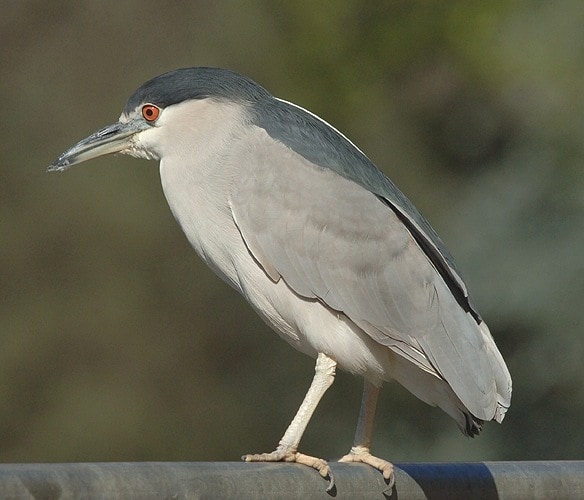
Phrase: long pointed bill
[114,138]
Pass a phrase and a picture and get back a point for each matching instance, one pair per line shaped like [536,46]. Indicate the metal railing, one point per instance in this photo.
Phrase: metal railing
[218,480]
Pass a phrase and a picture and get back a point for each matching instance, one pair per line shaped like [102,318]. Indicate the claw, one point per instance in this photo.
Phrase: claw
[331,480]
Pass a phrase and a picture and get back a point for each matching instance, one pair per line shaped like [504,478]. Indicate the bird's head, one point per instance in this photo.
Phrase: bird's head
[158,114]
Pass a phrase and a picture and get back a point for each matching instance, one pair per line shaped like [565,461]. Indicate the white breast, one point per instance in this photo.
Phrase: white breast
[197,176]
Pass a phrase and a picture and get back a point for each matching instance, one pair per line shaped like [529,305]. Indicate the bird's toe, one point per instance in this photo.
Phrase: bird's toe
[274,456]
[319,464]
[359,454]
[290,455]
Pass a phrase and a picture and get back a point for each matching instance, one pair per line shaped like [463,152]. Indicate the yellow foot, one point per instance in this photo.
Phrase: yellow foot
[361,454]
[282,454]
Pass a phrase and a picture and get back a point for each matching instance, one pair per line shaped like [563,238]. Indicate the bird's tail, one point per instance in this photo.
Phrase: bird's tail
[502,377]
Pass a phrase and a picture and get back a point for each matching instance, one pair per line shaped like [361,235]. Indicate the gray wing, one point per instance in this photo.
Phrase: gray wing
[323,145]
[330,238]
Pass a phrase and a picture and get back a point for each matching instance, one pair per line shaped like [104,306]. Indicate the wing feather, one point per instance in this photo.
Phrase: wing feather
[332,239]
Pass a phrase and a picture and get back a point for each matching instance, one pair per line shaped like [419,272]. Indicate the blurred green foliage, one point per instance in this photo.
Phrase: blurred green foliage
[118,344]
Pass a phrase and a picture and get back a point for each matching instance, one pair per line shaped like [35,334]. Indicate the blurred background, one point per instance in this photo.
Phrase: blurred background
[117,343]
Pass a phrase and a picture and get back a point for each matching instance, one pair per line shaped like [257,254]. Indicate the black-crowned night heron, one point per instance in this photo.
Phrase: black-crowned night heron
[323,246]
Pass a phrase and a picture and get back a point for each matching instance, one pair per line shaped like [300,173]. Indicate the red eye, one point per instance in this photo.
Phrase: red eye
[150,112]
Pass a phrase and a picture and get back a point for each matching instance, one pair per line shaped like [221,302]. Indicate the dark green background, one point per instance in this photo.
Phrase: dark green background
[116,343]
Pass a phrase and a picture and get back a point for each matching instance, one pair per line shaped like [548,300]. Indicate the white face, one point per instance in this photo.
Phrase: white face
[184,129]
[143,143]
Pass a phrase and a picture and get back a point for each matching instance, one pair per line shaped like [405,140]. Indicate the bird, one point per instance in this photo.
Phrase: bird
[325,248]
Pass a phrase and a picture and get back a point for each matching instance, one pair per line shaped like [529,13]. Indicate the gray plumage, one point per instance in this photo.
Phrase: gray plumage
[330,253]
[196,83]
[308,136]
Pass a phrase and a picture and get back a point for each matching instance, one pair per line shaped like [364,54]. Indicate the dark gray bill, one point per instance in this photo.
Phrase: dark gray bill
[111,139]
